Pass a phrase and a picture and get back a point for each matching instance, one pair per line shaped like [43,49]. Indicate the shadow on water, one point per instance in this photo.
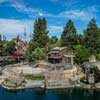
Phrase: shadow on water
[57,94]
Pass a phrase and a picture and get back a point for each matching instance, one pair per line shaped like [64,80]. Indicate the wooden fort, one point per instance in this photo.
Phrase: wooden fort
[61,55]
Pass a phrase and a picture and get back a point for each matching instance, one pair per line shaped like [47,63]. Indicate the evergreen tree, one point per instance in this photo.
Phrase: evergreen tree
[80,39]
[40,36]
[69,35]
[53,40]
[0,38]
[92,37]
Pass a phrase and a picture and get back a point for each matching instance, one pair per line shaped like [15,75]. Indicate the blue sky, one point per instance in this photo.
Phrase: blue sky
[16,15]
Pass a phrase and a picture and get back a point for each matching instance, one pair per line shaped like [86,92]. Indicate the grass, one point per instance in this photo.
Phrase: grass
[34,77]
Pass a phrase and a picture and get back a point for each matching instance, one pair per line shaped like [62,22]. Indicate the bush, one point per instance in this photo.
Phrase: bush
[28,56]
[39,53]
[81,54]
[98,56]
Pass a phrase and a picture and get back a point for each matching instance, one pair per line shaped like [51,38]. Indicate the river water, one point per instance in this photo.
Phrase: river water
[37,94]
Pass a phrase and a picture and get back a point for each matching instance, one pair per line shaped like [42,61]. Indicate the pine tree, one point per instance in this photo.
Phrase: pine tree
[69,35]
[92,37]
[40,36]
[0,38]
[53,40]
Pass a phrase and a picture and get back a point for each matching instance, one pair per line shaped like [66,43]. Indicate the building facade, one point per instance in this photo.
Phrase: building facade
[61,55]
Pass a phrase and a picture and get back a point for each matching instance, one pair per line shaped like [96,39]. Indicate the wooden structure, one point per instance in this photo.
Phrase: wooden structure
[60,55]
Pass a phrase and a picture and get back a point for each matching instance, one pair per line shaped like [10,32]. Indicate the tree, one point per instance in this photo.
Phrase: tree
[0,43]
[10,47]
[53,40]
[28,55]
[38,53]
[81,54]
[81,39]
[40,36]
[4,38]
[92,37]
[0,38]
[69,35]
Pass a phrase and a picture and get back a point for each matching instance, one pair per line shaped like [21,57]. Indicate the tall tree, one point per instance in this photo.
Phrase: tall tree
[40,36]
[0,38]
[69,34]
[92,37]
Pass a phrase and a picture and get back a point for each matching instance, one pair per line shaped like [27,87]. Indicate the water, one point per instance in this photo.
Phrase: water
[66,94]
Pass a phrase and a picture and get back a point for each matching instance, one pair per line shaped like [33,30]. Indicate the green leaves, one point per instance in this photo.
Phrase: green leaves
[40,32]
[69,34]
[81,54]
[10,47]
[92,37]
[38,53]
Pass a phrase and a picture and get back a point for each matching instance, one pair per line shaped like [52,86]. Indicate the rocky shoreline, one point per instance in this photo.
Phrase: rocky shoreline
[12,78]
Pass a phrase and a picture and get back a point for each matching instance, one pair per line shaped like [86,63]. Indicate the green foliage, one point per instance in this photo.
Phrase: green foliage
[9,47]
[92,37]
[0,38]
[81,54]
[34,77]
[40,36]
[39,53]
[53,40]
[81,39]
[69,35]
[28,56]
[98,56]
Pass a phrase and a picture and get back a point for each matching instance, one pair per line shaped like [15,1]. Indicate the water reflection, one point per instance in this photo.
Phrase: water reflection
[38,94]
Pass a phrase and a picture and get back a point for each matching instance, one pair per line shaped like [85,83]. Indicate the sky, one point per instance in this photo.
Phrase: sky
[17,16]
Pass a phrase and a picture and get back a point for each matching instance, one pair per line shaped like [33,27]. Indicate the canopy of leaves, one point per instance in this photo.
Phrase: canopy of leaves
[10,47]
[0,38]
[69,35]
[40,36]
[28,56]
[81,54]
[92,37]
[39,53]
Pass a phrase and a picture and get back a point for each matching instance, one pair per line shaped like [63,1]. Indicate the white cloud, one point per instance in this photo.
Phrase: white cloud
[40,14]
[12,27]
[75,14]
[32,12]
[1,1]
[9,25]
[28,10]
[21,7]
[83,14]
